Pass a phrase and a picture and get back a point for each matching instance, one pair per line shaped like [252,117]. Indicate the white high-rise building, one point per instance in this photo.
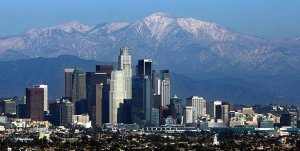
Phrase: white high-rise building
[165,92]
[189,114]
[117,94]
[125,65]
[199,104]
[45,87]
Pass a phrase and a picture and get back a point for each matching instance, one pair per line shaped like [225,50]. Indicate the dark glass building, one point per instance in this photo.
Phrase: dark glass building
[79,90]
[61,112]
[141,99]
[35,103]
[144,67]
[97,87]
[68,82]
[218,112]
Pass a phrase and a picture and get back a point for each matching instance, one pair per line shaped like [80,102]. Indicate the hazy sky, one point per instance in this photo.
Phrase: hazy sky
[265,18]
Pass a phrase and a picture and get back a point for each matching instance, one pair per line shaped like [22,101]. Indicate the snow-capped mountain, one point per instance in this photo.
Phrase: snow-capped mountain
[181,44]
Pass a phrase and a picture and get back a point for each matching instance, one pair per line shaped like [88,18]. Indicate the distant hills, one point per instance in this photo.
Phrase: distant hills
[19,74]
[216,61]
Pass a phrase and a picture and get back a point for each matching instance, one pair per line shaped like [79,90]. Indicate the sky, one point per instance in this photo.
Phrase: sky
[272,19]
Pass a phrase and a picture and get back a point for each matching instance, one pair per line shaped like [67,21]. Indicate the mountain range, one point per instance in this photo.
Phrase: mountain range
[200,50]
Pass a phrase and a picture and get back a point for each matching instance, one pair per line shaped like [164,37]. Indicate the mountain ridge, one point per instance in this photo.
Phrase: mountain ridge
[171,41]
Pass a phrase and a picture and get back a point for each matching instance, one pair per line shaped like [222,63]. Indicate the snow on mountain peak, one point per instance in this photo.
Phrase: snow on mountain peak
[157,16]
[67,27]
[157,24]
[160,25]
[111,27]
[73,25]
[192,25]
[207,30]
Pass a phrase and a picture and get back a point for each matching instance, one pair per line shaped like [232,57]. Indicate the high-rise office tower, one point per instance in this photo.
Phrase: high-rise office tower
[215,104]
[105,70]
[165,91]
[199,104]
[117,94]
[210,109]
[141,99]
[218,112]
[225,112]
[189,114]
[125,65]
[35,103]
[98,106]
[176,108]
[61,112]
[45,87]
[68,82]
[78,90]
[95,82]
[161,85]
[144,67]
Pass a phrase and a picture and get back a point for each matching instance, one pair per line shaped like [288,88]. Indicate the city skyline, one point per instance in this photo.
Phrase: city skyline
[149,75]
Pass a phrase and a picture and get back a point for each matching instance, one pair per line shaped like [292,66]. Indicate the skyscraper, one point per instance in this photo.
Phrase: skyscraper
[35,103]
[78,89]
[62,112]
[141,99]
[225,112]
[199,104]
[45,87]
[117,94]
[94,86]
[144,67]
[68,82]
[189,114]
[215,104]
[176,108]
[210,109]
[161,85]
[218,112]
[125,65]
[165,91]
[98,106]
